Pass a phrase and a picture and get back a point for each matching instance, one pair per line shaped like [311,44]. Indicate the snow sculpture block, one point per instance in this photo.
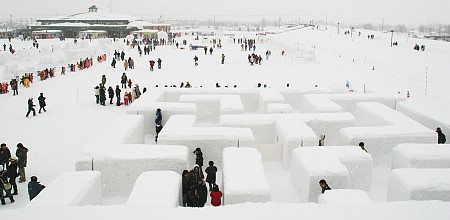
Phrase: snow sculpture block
[244,179]
[421,156]
[381,129]
[343,167]
[267,96]
[122,164]
[70,189]
[229,104]
[160,189]
[329,124]
[428,112]
[131,132]
[344,197]
[419,184]
[181,130]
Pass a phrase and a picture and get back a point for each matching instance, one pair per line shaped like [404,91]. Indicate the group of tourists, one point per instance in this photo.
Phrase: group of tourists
[31,105]
[129,96]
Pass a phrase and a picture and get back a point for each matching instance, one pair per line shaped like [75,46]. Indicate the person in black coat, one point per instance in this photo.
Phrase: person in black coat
[110,95]
[202,193]
[42,104]
[185,185]
[31,107]
[199,157]
[441,136]
[4,179]
[5,154]
[158,123]
[113,63]
[159,61]
[124,80]
[12,174]
[102,95]
[21,154]
[118,91]
[211,175]
[324,185]
[34,187]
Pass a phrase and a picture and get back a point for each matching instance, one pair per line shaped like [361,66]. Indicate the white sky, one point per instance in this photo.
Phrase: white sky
[361,11]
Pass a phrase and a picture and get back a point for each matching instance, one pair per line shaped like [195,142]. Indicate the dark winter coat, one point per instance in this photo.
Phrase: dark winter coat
[41,99]
[211,174]
[4,178]
[199,158]
[124,79]
[34,188]
[202,192]
[30,104]
[441,138]
[118,91]
[21,154]
[111,92]
[326,188]
[12,171]
[5,154]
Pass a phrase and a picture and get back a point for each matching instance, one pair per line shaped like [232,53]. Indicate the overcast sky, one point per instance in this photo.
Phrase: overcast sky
[360,11]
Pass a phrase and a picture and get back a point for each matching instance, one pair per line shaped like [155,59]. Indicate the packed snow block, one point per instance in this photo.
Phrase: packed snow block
[263,126]
[267,96]
[345,197]
[293,96]
[419,184]
[292,134]
[421,156]
[76,188]
[329,124]
[147,104]
[428,112]
[207,107]
[279,108]
[249,97]
[317,103]
[382,128]
[229,104]
[122,164]
[161,189]
[181,130]
[84,162]
[343,167]
[244,179]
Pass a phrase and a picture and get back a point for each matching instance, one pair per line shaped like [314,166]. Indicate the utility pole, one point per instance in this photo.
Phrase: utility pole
[326,22]
[279,22]
[382,26]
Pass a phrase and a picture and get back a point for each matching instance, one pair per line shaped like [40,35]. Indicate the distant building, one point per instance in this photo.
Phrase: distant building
[95,23]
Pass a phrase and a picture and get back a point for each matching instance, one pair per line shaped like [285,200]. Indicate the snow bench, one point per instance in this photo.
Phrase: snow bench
[243,178]
[344,197]
[70,189]
[343,167]
[381,129]
[180,129]
[121,164]
[160,189]
[421,156]
[419,184]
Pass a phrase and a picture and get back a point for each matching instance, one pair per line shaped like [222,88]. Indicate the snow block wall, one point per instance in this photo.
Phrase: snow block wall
[329,124]
[267,96]
[76,188]
[243,178]
[419,184]
[343,167]
[421,156]
[160,189]
[121,165]
[344,197]
[181,130]
[430,113]
[381,129]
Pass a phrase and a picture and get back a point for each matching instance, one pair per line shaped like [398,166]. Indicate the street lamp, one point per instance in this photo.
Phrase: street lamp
[392,35]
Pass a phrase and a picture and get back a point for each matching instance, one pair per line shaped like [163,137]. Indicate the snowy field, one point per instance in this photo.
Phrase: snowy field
[57,138]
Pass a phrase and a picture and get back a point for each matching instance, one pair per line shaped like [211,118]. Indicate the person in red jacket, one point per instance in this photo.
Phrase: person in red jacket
[216,196]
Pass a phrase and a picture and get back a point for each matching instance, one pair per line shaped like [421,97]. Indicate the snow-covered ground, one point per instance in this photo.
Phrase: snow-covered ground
[57,137]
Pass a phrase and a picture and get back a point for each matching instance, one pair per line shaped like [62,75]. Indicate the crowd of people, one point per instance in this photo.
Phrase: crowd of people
[129,96]
[12,167]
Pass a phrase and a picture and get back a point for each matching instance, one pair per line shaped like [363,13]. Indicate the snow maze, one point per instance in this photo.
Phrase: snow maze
[242,129]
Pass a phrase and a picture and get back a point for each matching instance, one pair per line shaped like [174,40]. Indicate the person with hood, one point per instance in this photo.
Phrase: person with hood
[12,174]
[123,80]
[158,123]
[118,91]
[42,104]
[110,95]
[31,107]
[21,154]
[3,183]
[441,136]
[216,196]
[211,175]
[34,188]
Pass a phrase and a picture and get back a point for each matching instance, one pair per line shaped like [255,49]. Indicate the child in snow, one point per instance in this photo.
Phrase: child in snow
[125,98]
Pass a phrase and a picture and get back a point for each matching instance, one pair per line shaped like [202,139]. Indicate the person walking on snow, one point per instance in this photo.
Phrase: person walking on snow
[123,80]
[196,60]
[42,103]
[223,58]
[118,94]
[211,175]
[31,107]
[158,123]
[159,63]
[110,95]
[216,196]
[152,64]
[21,154]
[441,136]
